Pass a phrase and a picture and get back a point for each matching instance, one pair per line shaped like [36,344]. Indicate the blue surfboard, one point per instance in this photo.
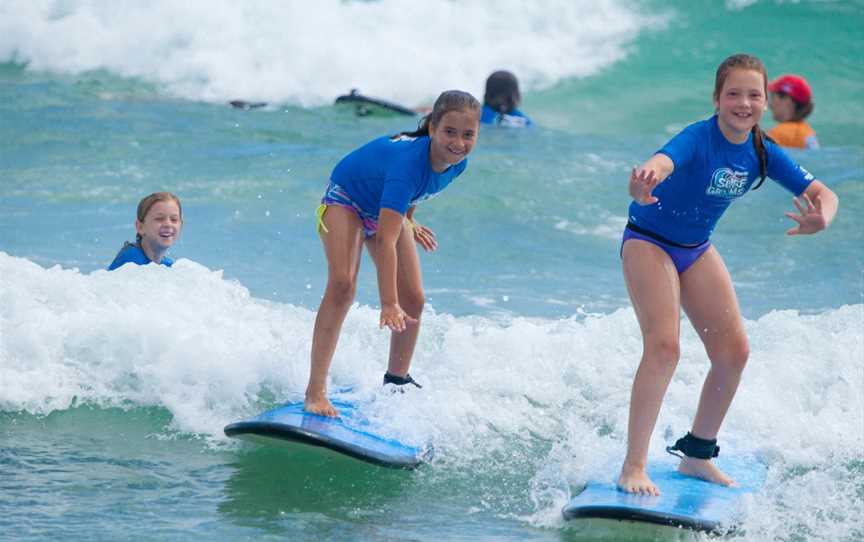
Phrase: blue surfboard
[348,435]
[683,502]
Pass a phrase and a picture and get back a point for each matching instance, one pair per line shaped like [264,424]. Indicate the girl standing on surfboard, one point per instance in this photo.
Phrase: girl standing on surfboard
[669,262]
[371,199]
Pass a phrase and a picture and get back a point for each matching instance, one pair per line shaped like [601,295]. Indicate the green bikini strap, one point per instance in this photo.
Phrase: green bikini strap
[319,215]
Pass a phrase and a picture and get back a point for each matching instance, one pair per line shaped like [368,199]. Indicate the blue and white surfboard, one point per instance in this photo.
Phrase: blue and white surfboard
[684,501]
[348,434]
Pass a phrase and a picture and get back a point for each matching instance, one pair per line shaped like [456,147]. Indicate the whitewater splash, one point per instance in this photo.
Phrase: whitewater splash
[540,395]
[190,341]
[307,53]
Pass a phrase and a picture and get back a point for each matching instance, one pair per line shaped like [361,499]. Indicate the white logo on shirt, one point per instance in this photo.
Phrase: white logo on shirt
[726,183]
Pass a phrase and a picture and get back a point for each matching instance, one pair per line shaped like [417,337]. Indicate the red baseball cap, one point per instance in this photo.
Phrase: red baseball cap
[794,86]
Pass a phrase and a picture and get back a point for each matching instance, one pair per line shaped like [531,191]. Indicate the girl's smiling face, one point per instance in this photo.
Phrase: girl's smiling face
[453,138]
[161,226]
[740,103]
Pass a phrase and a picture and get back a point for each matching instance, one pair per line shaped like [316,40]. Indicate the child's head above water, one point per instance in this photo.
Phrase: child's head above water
[502,92]
[158,221]
[791,98]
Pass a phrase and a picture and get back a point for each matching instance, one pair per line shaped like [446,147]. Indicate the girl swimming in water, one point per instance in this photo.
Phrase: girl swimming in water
[158,223]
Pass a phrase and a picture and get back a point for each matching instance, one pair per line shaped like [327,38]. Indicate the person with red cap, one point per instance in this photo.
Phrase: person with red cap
[791,103]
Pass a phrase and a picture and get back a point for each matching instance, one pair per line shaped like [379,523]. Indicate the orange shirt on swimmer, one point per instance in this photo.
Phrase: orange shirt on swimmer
[796,134]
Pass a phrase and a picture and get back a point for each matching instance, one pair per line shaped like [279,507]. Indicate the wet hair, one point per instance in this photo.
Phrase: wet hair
[802,111]
[502,92]
[747,62]
[149,201]
[450,100]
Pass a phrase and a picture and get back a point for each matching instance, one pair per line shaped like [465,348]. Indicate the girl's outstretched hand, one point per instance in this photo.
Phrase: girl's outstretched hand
[642,183]
[395,318]
[424,237]
[811,219]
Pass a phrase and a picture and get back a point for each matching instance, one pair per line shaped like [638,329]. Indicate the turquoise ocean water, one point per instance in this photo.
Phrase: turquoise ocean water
[114,387]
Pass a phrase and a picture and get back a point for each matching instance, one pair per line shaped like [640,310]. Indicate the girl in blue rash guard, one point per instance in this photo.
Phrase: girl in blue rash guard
[158,224]
[371,200]
[669,263]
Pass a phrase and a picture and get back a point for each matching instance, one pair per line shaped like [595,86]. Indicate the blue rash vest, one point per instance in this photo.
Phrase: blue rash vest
[513,119]
[710,172]
[392,173]
[132,253]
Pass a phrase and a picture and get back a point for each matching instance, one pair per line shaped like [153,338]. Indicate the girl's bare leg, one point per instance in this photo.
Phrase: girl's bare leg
[709,300]
[654,288]
[409,285]
[343,245]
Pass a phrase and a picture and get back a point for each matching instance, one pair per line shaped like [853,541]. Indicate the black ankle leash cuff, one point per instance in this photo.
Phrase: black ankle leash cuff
[691,446]
[400,380]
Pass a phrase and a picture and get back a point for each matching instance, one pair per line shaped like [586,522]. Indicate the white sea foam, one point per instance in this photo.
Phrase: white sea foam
[307,53]
[550,393]
[199,345]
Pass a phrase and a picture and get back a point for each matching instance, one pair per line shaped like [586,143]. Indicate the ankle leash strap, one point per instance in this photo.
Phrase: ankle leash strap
[691,446]
[400,380]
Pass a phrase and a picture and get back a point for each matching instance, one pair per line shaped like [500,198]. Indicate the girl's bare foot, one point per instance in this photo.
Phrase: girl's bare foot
[320,405]
[635,480]
[705,470]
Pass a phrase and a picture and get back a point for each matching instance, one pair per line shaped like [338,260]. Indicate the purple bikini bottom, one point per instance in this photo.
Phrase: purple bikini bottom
[682,256]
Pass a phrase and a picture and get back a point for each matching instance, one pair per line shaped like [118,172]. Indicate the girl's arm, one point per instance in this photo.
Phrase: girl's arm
[389,228]
[646,177]
[423,235]
[821,208]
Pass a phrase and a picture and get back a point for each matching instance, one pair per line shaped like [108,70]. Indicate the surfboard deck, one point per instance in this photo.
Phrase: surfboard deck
[290,425]
[684,501]
[366,105]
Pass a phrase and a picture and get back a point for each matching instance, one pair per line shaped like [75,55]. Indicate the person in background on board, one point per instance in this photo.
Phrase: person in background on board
[670,263]
[791,103]
[371,199]
[158,224]
[501,101]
